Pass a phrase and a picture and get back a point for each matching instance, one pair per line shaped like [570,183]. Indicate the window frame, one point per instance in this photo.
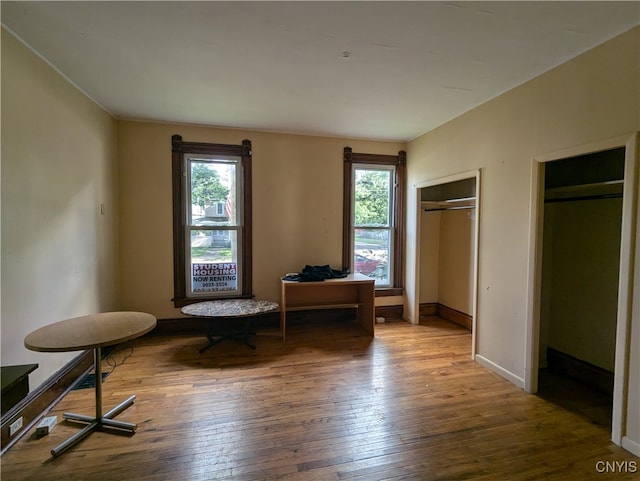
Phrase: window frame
[390,224]
[242,152]
[351,161]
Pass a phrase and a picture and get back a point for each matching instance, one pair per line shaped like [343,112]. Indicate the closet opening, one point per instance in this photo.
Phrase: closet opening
[447,252]
[580,270]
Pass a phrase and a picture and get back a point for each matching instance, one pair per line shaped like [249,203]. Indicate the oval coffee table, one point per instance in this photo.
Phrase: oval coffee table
[231,310]
[92,332]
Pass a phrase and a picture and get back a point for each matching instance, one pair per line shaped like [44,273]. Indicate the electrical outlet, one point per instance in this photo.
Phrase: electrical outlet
[15,426]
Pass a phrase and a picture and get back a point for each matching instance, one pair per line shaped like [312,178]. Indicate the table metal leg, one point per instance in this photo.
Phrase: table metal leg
[212,342]
[229,334]
[100,420]
[75,439]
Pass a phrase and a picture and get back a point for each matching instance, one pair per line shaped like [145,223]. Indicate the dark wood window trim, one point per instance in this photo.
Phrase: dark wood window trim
[400,162]
[179,148]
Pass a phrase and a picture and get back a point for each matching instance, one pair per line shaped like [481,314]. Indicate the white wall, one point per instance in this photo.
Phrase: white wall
[590,98]
[59,254]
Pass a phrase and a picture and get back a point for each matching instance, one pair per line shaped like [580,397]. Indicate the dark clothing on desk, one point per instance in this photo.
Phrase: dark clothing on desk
[316,273]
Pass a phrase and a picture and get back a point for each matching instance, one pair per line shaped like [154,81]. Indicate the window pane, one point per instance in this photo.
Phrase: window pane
[212,192]
[214,261]
[372,199]
[371,254]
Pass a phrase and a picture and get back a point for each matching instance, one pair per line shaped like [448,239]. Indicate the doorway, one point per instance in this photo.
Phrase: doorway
[582,222]
[540,319]
[446,277]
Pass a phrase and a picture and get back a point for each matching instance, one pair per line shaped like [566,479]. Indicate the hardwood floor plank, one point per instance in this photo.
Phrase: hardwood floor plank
[330,404]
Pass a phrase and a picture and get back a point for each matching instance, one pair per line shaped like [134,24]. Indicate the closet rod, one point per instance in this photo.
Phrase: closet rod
[451,208]
[460,199]
[583,197]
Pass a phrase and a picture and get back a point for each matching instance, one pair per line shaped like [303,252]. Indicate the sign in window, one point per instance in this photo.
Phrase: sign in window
[212,277]
[213,226]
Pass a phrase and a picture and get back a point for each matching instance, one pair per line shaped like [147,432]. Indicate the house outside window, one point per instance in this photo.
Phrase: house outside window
[212,221]
[373,216]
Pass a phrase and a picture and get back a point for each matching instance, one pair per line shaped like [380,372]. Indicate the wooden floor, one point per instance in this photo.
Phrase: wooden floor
[330,404]
[590,403]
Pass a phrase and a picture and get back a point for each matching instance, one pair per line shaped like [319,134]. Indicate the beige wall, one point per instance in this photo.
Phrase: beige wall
[591,98]
[446,258]
[455,282]
[297,206]
[581,256]
[429,256]
[59,255]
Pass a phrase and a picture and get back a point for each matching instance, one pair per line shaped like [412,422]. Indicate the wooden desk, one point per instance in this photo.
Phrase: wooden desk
[355,289]
[92,332]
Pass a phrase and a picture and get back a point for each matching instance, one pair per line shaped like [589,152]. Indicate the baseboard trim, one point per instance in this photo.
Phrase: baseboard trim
[588,374]
[428,309]
[455,316]
[42,398]
[446,312]
[271,320]
[630,445]
[508,375]
[390,312]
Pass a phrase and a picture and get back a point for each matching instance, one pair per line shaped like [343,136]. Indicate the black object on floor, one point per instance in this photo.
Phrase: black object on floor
[88,381]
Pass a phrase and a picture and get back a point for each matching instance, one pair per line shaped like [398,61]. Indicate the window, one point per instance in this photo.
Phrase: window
[211,220]
[373,216]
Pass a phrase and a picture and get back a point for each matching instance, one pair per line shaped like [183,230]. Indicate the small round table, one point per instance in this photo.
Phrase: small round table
[233,309]
[92,332]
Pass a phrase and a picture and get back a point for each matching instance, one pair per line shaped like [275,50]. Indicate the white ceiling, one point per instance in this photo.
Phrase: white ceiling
[279,66]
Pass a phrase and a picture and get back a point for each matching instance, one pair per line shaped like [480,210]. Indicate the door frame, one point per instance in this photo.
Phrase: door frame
[470,174]
[625,280]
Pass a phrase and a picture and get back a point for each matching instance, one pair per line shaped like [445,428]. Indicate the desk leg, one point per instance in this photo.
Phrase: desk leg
[283,311]
[366,307]
[99,420]
[283,322]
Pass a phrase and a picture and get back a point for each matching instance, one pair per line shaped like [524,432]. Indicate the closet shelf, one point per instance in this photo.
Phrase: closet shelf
[449,204]
[604,190]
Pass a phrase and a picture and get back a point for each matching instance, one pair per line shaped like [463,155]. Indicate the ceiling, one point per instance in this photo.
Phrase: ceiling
[375,70]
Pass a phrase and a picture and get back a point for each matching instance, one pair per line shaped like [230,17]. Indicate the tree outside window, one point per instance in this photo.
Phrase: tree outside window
[206,186]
